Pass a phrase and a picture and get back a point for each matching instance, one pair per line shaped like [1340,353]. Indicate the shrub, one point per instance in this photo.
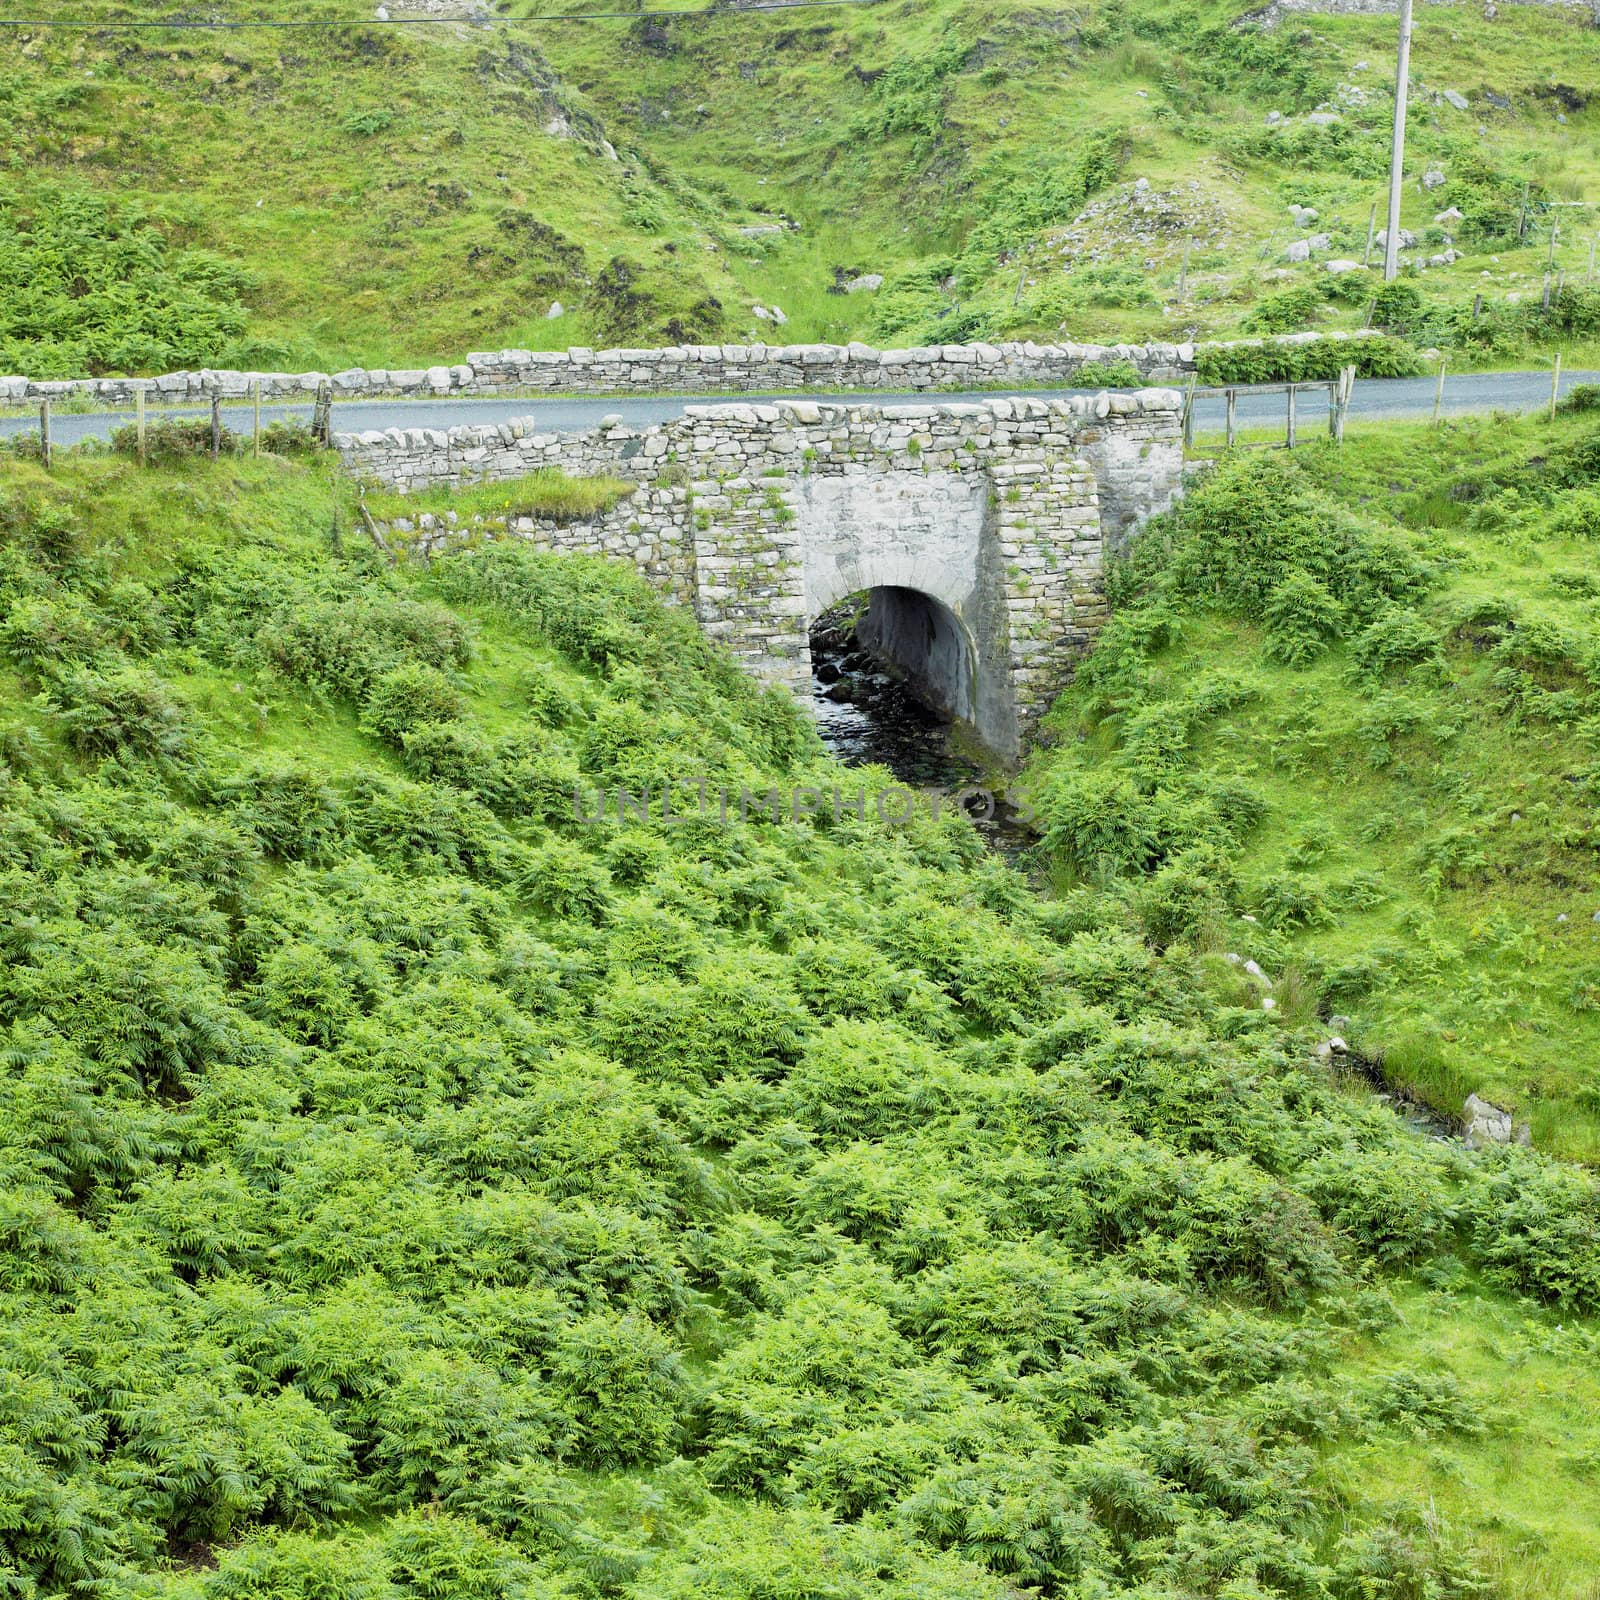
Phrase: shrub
[276,1565]
[1535,1226]
[169,439]
[1392,1210]
[624,1386]
[1286,312]
[1301,617]
[1581,397]
[563,880]
[292,810]
[406,697]
[1317,360]
[124,712]
[1117,374]
[1397,638]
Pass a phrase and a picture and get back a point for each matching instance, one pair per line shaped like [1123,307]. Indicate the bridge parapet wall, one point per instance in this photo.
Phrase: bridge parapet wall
[683,369]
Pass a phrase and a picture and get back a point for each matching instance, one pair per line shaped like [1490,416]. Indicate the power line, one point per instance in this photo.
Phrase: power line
[84,25]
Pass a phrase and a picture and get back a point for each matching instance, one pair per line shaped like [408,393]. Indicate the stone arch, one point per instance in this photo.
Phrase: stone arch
[916,541]
[922,616]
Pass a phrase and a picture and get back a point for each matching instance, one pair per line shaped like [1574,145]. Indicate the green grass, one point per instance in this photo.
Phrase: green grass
[548,493]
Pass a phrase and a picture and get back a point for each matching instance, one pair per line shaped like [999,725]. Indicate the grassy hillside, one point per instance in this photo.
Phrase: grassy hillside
[399,196]
[1353,696]
[409,1190]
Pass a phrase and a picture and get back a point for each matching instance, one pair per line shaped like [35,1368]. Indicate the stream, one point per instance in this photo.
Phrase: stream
[868,717]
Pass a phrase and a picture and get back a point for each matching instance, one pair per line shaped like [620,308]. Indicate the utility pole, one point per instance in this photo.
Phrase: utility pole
[1402,78]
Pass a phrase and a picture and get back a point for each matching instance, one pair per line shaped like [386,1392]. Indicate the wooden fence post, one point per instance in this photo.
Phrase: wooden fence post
[1333,409]
[1477,305]
[1288,429]
[1589,276]
[1372,224]
[216,424]
[322,416]
[255,394]
[1438,394]
[1233,401]
[1555,386]
[44,432]
[1183,271]
[1347,387]
[139,426]
[1188,414]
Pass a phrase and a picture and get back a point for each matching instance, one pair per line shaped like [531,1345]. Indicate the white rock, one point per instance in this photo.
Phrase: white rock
[776,313]
[1343,265]
[1433,178]
[1300,250]
[1273,120]
[1322,119]
[867,283]
[1489,1124]
[1254,969]
[381,14]
[1454,98]
[1448,215]
[556,310]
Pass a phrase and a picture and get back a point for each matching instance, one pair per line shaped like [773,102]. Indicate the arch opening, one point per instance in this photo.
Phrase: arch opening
[892,669]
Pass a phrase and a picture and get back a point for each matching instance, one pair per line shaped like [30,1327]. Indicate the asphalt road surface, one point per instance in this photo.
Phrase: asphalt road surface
[1373,398]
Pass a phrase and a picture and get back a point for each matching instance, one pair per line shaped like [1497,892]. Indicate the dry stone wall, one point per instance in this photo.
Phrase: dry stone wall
[762,515]
[687,369]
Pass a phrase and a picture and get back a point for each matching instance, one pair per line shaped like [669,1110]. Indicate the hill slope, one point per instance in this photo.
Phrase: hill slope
[412,1190]
[1352,696]
[392,195]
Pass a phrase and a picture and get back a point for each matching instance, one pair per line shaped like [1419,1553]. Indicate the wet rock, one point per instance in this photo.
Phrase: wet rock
[828,673]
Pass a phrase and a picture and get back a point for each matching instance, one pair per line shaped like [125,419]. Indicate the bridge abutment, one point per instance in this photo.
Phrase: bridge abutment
[762,516]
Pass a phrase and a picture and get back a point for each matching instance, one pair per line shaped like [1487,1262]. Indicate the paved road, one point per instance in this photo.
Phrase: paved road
[1374,397]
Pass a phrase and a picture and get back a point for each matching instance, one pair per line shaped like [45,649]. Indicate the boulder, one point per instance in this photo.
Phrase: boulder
[1433,178]
[867,283]
[1453,97]
[1488,1124]
[556,310]
[1450,214]
[1343,265]
[1322,119]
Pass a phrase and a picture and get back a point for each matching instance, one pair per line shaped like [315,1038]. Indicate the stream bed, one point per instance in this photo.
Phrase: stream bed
[868,717]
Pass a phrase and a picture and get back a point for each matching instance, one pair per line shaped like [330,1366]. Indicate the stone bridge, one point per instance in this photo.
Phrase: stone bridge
[980,531]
